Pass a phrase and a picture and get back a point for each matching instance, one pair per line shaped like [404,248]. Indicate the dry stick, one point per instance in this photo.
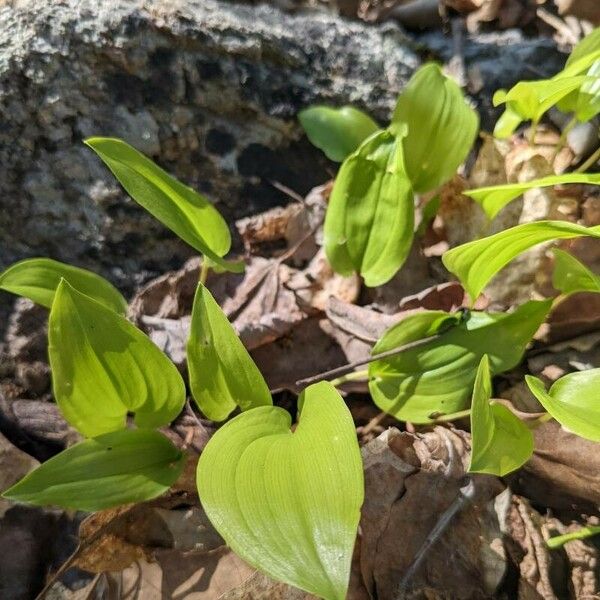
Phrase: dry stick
[364,361]
[466,494]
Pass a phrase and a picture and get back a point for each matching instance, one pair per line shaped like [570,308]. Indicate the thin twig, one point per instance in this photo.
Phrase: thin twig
[466,494]
[288,192]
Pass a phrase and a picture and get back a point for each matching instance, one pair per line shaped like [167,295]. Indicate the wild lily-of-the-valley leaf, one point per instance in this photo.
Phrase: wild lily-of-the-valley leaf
[500,441]
[336,131]
[222,374]
[475,263]
[103,368]
[288,502]
[38,278]
[437,378]
[185,212]
[110,470]
[370,219]
[494,198]
[441,127]
[573,400]
[571,276]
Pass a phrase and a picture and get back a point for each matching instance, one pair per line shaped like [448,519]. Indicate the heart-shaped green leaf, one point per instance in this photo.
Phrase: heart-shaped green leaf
[336,131]
[288,502]
[103,368]
[570,275]
[500,441]
[185,212]
[437,378]
[441,127]
[572,401]
[222,374]
[475,263]
[110,470]
[38,278]
[494,198]
[369,225]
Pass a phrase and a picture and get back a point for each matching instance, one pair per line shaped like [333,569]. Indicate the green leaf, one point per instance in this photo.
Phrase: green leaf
[116,468]
[475,263]
[185,212]
[437,378]
[369,225]
[286,502]
[38,278]
[559,541]
[572,276]
[494,198]
[588,46]
[103,367]
[222,374]
[572,401]
[500,441]
[441,127]
[336,131]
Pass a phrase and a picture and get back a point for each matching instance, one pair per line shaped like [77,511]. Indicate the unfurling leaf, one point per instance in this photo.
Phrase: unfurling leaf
[103,368]
[369,225]
[437,378]
[441,127]
[573,400]
[572,276]
[286,502]
[185,212]
[336,131]
[494,198]
[475,263]
[222,374]
[38,278]
[110,470]
[500,441]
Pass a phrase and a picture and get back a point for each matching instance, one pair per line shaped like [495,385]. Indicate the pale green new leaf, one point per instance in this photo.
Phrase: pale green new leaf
[570,275]
[437,378]
[38,278]
[336,131]
[500,441]
[475,263]
[369,225]
[103,368]
[573,400]
[559,541]
[222,374]
[494,198]
[441,127]
[286,502]
[117,468]
[588,46]
[185,212]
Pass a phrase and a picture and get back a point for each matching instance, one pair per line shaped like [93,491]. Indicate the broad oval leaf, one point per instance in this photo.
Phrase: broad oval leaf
[113,469]
[570,275]
[369,226]
[437,378]
[475,263]
[441,127]
[336,131]
[494,198]
[500,441]
[222,373]
[185,212]
[573,400]
[288,502]
[103,368]
[38,278]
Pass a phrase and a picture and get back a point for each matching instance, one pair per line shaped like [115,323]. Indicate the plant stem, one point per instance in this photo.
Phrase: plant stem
[539,421]
[591,160]
[562,140]
[580,534]
[204,270]
[354,376]
[452,416]
[532,132]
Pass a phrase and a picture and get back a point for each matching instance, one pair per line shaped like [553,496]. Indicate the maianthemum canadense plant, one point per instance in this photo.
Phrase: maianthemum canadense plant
[288,502]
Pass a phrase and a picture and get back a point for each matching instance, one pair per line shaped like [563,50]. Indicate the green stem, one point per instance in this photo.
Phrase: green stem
[580,534]
[532,132]
[204,270]
[452,416]
[354,376]
[589,162]
[539,421]
[562,140]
